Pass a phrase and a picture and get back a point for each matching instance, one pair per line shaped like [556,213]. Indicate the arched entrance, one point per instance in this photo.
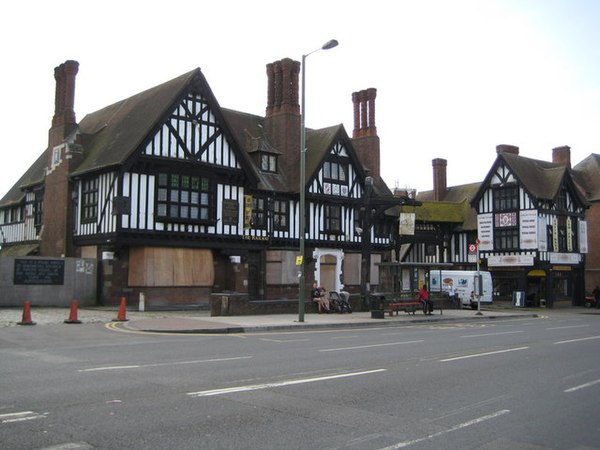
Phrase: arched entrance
[328,268]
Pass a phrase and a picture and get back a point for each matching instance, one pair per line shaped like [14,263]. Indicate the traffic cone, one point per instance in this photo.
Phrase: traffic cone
[122,314]
[73,314]
[26,320]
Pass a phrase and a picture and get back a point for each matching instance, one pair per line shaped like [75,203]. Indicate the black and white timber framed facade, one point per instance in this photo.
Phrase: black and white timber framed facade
[180,198]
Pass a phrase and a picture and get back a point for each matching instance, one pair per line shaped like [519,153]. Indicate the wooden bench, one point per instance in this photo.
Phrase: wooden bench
[408,306]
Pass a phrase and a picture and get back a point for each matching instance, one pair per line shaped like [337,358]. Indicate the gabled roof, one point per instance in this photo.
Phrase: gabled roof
[112,135]
[319,144]
[586,175]
[541,179]
[34,175]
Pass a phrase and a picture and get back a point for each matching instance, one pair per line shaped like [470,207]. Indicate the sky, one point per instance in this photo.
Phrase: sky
[454,79]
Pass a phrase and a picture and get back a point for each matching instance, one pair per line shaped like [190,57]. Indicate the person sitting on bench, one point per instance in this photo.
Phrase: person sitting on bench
[423,297]
[318,296]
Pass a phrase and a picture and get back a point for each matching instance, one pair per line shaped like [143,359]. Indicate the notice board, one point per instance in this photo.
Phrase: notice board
[39,271]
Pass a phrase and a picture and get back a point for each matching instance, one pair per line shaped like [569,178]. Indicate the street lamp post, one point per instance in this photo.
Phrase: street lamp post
[302,206]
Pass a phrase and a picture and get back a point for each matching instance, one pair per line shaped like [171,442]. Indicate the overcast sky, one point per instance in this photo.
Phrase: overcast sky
[453,78]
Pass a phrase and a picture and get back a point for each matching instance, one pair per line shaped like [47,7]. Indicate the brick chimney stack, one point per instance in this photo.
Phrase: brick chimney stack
[439,178]
[505,148]
[62,156]
[282,117]
[364,135]
[562,155]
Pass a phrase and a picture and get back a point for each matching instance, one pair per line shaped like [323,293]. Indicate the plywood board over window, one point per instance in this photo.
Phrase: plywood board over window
[163,266]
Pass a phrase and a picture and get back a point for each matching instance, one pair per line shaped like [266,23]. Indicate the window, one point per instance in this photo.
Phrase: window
[89,201]
[506,198]
[268,162]
[280,215]
[259,212]
[334,171]
[506,239]
[184,198]
[335,178]
[333,219]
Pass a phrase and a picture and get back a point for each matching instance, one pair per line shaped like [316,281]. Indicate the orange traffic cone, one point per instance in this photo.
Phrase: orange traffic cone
[26,320]
[73,314]
[122,314]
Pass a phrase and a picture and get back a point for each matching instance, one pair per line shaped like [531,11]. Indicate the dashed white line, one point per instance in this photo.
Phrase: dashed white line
[582,386]
[357,347]
[492,334]
[20,416]
[256,387]
[449,430]
[476,355]
[176,363]
[578,340]
[567,327]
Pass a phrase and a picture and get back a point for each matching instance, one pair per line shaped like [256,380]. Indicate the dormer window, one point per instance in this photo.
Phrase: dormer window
[268,162]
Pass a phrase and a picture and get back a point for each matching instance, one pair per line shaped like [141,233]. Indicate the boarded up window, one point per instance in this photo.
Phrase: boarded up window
[281,267]
[352,268]
[160,266]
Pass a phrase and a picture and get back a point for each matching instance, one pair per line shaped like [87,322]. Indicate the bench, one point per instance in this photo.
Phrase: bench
[408,306]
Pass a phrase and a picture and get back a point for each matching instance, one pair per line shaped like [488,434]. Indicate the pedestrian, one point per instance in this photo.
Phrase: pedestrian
[596,294]
[423,297]
[452,296]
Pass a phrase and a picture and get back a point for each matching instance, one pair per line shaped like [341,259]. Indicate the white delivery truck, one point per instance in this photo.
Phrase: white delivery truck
[465,286]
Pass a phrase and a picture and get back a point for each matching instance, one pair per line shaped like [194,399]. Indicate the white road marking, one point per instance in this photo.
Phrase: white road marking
[176,363]
[70,446]
[578,340]
[20,416]
[476,355]
[369,346]
[256,387]
[284,340]
[565,328]
[492,334]
[449,430]
[582,386]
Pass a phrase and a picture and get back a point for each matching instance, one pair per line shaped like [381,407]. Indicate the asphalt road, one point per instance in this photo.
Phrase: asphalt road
[504,384]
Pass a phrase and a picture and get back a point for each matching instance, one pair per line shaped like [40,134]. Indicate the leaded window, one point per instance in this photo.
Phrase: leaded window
[259,212]
[280,215]
[506,198]
[185,198]
[89,200]
[333,219]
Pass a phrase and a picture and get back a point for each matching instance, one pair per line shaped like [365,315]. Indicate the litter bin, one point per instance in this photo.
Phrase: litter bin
[519,299]
[376,302]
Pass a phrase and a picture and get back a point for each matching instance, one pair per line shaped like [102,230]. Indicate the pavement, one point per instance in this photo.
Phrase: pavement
[198,321]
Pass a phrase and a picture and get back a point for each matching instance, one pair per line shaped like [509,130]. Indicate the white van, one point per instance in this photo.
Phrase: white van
[464,284]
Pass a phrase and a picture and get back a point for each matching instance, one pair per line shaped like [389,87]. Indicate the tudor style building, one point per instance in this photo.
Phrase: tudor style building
[179,198]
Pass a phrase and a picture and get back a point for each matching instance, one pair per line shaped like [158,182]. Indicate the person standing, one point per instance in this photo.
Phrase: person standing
[596,294]
[452,295]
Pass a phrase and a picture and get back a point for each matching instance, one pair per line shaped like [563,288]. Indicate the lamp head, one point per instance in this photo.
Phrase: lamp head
[329,44]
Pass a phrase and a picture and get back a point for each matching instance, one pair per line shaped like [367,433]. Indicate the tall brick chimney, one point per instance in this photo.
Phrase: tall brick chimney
[62,156]
[364,135]
[562,155]
[282,117]
[439,178]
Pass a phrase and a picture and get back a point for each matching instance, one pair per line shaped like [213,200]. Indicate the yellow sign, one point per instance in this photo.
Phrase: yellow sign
[298,260]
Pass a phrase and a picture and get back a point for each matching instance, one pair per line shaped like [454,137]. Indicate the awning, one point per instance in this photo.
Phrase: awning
[19,249]
[536,273]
